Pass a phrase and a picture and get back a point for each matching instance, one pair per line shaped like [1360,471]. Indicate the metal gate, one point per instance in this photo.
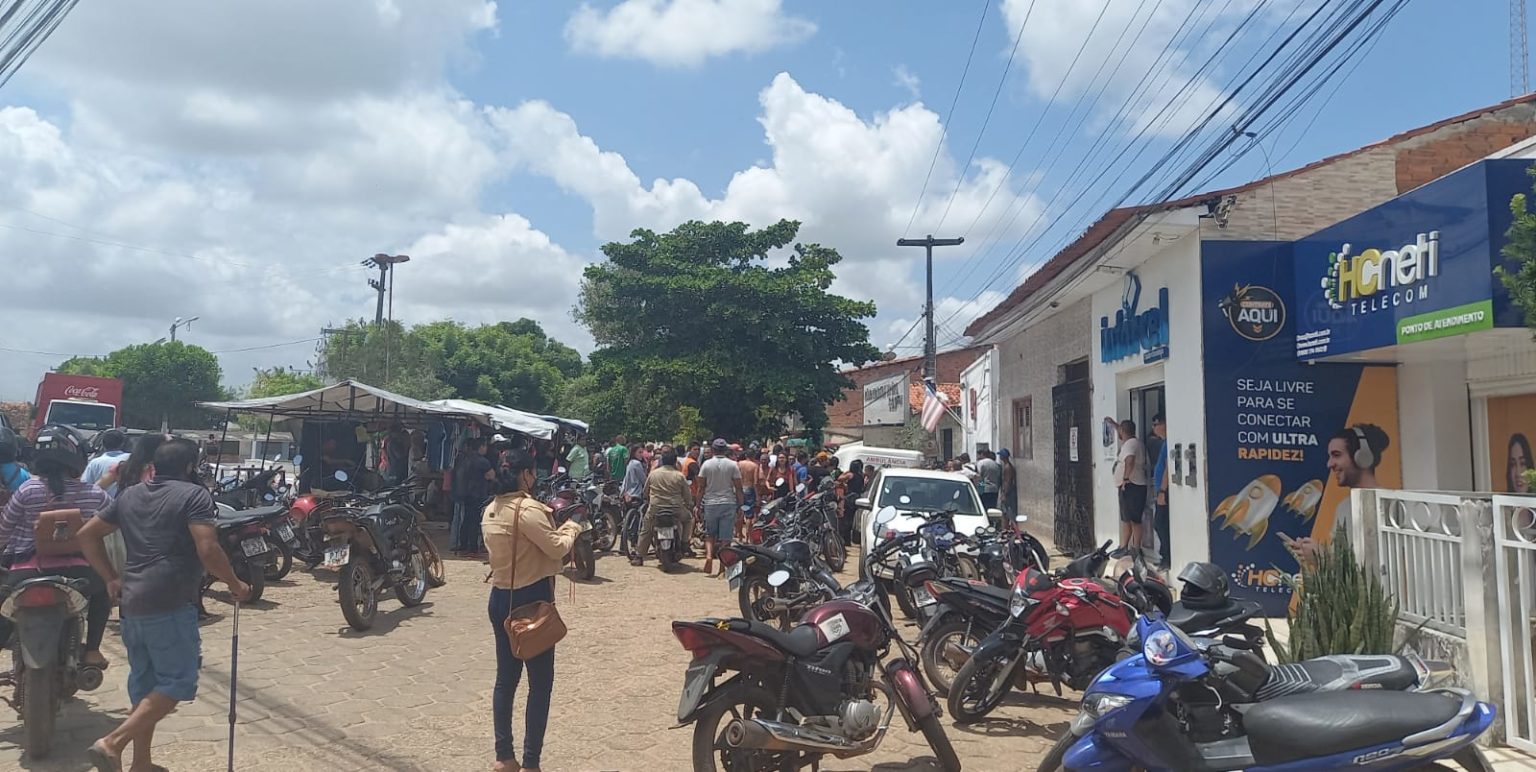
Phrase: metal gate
[1514,535]
[1071,405]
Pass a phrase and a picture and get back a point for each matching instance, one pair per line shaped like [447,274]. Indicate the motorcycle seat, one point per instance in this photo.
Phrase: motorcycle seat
[243,516]
[1001,593]
[1337,673]
[1311,726]
[1192,620]
[802,641]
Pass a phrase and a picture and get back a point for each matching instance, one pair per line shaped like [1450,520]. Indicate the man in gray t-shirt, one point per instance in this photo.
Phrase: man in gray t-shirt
[989,478]
[168,529]
[722,497]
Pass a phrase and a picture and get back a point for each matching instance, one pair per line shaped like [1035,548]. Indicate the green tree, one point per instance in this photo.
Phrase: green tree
[702,317]
[509,363]
[383,355]
[161,381]
[1520,246]
[281,380]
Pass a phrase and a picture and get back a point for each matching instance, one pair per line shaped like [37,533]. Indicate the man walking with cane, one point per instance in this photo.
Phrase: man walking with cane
[167,526]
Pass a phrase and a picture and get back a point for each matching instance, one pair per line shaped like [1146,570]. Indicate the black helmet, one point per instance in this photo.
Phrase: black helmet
[60,445]
[1205,586]
[10,446]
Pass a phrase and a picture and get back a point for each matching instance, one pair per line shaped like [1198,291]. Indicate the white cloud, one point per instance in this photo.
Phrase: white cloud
[1122,42]
[683,33]
[906,80]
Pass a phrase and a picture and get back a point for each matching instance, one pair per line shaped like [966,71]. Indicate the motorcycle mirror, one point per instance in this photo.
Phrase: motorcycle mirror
[340,475]
[885,516]
[1021,519]
[778,578]
[298,459]
[560,470]
[779,482]
[270,497]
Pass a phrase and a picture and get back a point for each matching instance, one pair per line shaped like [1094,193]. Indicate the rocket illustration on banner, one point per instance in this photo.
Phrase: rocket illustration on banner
[1248,511]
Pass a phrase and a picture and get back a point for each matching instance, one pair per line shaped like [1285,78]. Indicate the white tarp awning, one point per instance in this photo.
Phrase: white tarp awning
[505,417]
[348,398]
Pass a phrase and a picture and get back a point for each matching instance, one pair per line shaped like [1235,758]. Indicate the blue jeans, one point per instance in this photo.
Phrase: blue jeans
[165,652]
[509,672]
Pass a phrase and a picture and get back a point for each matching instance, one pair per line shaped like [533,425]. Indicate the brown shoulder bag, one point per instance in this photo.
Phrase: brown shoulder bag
[57,532]
[532,628]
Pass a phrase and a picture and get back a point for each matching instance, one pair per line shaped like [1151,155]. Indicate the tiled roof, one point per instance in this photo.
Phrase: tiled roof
[1114,218]
[917,395]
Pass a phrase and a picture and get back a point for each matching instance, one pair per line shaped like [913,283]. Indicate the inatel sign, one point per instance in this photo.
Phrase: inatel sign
[1133,331]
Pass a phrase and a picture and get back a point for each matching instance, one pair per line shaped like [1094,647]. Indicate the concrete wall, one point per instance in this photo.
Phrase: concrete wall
[981,424]
[1028,365]
[1434,429]
[1182,374]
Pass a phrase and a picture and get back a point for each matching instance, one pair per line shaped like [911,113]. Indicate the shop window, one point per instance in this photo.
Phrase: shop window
[1074,371]
[1024,428]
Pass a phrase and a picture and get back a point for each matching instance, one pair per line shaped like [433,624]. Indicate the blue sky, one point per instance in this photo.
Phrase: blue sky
[236,162]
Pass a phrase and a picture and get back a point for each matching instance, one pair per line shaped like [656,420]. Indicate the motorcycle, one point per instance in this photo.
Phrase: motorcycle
[669,542]
[807,580]
[1130,718]
[799,695]
[243,534]
[566,498]
[1060,628]
[603,501]
[1002,553]
[815,516]
[376,548]
[49,617]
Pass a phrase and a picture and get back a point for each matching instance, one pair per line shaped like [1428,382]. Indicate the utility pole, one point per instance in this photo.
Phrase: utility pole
[930,350]
[179,323]
[385,264]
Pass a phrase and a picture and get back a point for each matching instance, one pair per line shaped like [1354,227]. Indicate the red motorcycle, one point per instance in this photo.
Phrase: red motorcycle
[811,692]
[563,495]
[1062,628]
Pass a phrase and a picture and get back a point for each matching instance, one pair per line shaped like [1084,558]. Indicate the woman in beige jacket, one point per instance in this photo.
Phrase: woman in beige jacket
[526,549]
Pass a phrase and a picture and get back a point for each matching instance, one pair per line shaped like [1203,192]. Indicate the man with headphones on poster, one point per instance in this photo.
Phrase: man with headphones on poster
[1354,452]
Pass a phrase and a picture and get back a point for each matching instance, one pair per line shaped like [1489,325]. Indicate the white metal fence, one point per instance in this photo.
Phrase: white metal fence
[1419,549]
[1514,538]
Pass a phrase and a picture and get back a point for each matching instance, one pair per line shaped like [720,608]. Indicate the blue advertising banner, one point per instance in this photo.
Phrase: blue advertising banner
[1418,267]
[1270,420]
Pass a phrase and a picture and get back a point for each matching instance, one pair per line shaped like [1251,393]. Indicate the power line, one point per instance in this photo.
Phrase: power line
[944,126]
[1007,68]
[99,356]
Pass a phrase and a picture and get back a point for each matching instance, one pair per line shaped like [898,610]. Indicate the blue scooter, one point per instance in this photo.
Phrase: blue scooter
[1132,718]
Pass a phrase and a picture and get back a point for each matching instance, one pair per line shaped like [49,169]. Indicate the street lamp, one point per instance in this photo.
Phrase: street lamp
[179,323]
[384,263]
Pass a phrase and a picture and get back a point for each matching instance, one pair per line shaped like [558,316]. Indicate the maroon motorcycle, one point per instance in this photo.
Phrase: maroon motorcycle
[563,495]
[811,692]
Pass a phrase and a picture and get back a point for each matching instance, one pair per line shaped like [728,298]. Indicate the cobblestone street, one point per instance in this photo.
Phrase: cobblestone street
[414,693]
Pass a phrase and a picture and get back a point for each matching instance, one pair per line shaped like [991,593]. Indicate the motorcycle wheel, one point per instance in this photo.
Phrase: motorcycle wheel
[39,708]
[710,753]
[605,530]
[279,559]
[359,603]
[966,568]
[753,590]
[253,575]
[933,732]
[437,573]
[905,600]
[412,589]
[1058,753]
[586,561]
[939,671]
[834,552]
[978,689]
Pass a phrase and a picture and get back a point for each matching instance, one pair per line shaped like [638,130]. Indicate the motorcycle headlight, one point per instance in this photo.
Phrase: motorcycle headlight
[1018,603]
[1101,704]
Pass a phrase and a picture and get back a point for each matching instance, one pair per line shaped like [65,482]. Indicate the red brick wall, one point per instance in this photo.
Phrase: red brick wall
[849,411]
[1444,151]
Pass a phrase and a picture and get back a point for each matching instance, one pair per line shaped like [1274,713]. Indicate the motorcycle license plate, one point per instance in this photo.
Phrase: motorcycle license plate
[666,533]
[253,546]
[920,594]
[734,574]
[285,532]
[336,557]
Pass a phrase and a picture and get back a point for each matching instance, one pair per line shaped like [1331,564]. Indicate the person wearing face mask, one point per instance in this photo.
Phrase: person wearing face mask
[526,549]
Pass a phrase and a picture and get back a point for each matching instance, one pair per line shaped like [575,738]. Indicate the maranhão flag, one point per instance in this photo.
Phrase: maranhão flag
[933,406]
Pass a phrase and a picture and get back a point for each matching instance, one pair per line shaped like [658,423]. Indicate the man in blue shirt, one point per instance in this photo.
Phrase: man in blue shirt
[112,442]
[802,470]
[1160,491]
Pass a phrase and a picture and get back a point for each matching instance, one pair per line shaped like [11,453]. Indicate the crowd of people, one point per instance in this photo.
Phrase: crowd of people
[145,537]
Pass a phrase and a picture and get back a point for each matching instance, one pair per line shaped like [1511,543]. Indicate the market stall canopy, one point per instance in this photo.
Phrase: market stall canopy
[347,399]
[570,423]
[505,417]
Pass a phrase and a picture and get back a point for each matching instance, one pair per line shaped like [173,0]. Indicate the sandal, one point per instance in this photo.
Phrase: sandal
[103,761]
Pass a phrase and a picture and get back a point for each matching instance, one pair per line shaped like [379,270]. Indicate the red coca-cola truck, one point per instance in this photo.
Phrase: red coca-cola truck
[88,403]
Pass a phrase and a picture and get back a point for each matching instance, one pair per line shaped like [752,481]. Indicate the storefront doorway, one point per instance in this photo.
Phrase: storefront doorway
[1145,404]
[1072,408]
